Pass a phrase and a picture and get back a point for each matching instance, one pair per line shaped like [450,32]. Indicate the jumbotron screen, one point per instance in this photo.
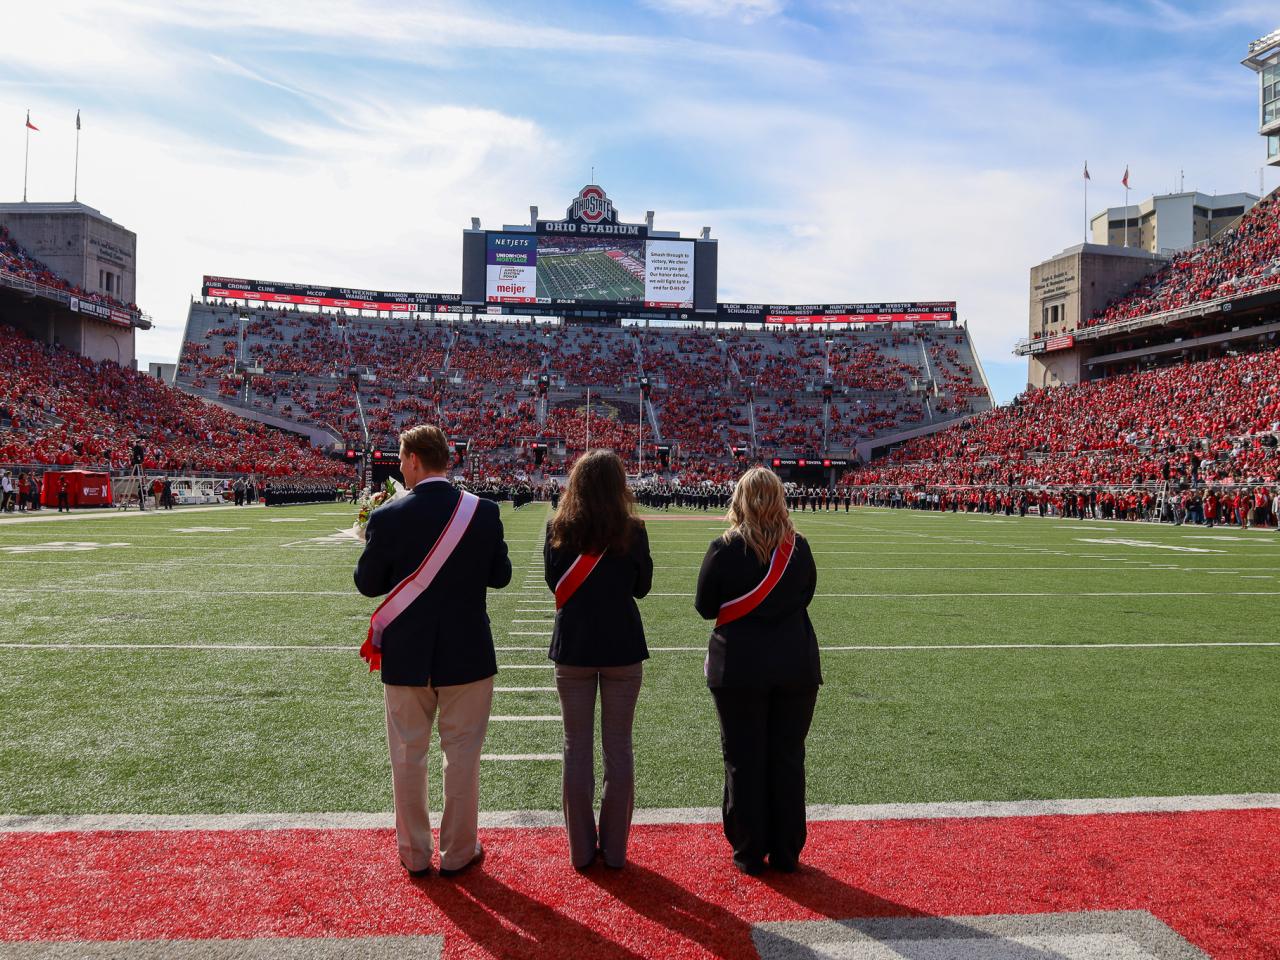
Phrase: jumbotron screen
[555,268]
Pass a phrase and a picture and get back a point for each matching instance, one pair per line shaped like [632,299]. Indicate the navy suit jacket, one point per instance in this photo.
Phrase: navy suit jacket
[443,637]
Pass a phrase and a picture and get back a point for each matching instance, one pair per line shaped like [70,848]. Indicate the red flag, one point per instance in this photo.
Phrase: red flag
[30,125]
[1125,180]
[1086,171]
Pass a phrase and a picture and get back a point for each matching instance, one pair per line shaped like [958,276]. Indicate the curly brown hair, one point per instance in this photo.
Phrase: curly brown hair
[597,511]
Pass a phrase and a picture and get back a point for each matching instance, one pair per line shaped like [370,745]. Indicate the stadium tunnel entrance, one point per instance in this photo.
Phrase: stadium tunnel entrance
[810,471]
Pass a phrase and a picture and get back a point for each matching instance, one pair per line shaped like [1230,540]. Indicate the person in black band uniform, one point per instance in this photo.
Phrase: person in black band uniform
[764,671]
[598,640]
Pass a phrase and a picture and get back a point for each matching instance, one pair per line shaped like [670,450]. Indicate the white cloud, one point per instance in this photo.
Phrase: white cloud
[748,11]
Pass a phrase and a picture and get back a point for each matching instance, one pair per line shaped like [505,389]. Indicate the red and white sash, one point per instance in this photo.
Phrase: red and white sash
[412,586]
[735,609]
[574,577]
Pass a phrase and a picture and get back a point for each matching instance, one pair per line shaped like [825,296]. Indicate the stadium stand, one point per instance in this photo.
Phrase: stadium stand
[711,390]
[1212,421]
[58,408]
[1244,259]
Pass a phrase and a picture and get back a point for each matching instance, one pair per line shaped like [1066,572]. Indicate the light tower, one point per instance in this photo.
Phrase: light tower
[1264,60]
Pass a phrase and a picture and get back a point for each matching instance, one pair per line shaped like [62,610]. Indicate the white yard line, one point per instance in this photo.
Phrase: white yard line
[524,689]
[520,756]
[530,718]
[542,819]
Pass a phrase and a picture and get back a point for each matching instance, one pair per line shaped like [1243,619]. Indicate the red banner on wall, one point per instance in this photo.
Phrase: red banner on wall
[294,298]
[1061,342]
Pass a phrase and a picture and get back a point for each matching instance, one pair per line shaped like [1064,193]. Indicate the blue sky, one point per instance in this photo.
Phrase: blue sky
[840,151]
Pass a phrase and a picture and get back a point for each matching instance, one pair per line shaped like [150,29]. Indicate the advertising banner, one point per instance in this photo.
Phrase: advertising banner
[825,313]
[511,268]
[100,311]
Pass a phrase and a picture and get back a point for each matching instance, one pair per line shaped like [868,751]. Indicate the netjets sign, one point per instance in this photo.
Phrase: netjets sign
[592,214]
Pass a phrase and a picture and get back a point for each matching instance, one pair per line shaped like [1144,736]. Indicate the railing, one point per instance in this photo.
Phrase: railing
[64,297]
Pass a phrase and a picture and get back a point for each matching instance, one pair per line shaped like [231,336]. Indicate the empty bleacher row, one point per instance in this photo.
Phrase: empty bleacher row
[712,390]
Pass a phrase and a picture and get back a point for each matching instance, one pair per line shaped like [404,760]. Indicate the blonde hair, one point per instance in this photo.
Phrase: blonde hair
[758,512]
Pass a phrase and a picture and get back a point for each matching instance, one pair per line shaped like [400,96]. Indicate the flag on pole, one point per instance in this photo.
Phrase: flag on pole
[77,119]
[1125,179]
[1086,171]
[30,125]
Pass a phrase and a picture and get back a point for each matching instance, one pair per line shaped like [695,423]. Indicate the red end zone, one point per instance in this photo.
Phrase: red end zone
[1213,878]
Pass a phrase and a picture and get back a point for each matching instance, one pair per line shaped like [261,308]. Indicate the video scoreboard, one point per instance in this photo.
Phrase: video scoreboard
[589,258]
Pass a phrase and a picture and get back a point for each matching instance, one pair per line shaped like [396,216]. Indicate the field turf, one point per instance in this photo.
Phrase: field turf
[205,661]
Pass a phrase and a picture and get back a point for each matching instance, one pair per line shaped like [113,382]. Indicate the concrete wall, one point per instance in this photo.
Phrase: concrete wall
[1081,280]
[1054,369]
[105,341]
[78,243]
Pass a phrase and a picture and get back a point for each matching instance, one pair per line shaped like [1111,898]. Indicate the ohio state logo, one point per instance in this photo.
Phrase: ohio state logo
[591,206]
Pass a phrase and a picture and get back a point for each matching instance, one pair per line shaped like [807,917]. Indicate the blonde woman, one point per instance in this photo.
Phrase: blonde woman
[762,666]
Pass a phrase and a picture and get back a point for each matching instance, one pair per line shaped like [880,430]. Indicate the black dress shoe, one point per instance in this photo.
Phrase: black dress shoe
[477,859]
[424,872]
[752,868]
[784,866]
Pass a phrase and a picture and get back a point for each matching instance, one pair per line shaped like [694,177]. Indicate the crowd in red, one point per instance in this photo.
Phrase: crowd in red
[59,408]
[1210,420]
[15,260]
[1243,260]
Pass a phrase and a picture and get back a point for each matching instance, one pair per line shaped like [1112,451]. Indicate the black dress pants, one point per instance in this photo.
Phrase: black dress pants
[762,734]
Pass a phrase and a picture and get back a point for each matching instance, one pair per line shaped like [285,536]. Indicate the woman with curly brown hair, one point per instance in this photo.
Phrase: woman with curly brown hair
[756,582]
[597,562]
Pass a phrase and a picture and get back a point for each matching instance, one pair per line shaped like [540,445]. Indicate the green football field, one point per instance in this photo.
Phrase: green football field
[590,275]
[205,661]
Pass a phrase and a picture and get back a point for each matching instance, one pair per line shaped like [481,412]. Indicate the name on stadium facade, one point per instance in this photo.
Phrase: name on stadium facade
[262,291]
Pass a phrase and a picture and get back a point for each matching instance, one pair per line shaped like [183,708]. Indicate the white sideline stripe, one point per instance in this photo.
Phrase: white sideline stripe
[825,648]
[114,513]
[529,633]
[959,810]
[529,718]
[1047,593]
[538,620]
[526,666]
[521,756]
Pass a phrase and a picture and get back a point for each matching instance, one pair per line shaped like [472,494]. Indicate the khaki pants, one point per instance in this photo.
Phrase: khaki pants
[464,719]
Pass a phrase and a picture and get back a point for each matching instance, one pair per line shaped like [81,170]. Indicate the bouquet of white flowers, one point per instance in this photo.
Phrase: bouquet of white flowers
[369,502]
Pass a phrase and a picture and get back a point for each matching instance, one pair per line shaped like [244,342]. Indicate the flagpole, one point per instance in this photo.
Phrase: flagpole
[588,450]
[76,182]
[1086,202]
[1126,205]
[26,158]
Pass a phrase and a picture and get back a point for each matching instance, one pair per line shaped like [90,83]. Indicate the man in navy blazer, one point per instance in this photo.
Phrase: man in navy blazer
[438,653]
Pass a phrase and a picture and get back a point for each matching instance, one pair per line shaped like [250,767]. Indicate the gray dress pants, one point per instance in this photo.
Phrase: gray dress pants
[619,690]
